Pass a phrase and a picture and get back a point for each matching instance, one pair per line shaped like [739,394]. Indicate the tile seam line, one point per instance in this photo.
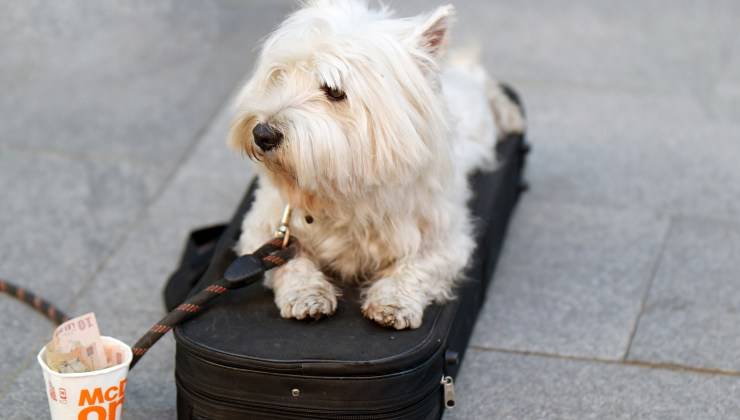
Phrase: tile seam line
[672,367]
[594,88]
[648,287]
[658,211]
[78,157]
[199,137]
[166,182]
[14,376]
[138,219]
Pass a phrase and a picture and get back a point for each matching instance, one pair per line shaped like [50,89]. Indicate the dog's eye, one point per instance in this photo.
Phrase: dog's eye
[334,94]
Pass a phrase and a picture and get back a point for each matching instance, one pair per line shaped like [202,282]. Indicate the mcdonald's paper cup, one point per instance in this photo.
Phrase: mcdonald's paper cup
[88,395]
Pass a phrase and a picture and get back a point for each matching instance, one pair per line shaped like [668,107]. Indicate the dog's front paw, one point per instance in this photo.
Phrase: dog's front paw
[313,301]
[302,291]
[391,307]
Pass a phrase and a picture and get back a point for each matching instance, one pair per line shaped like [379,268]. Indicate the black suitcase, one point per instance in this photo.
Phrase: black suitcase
[240,360]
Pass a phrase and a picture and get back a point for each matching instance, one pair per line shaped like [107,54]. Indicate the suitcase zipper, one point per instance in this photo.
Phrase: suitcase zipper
[448,384]
[420,406]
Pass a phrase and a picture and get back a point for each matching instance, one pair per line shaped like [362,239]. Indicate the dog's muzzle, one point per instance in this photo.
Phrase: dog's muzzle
[266,137]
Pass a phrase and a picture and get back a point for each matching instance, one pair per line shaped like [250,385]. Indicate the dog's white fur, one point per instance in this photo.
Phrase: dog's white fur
[383,173]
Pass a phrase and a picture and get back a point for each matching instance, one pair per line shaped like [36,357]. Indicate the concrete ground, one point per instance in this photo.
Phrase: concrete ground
[617,295]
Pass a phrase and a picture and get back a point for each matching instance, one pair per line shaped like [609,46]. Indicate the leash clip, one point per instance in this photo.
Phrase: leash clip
[243,271]
[283,231]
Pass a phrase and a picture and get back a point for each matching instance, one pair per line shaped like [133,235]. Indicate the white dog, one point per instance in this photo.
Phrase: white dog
[354,122]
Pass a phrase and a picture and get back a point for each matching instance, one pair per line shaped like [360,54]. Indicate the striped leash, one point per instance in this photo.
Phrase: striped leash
[42,306]
[243,271]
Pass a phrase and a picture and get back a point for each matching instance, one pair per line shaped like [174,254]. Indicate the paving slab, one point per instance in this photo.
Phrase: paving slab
[634,109]
[500,386]
[725,103]
[632,151]
[649,45]
[135,80]
[570,280]
[25,329]
[61,217]
[692,313]
[100,103]
[25,398]
[126,294]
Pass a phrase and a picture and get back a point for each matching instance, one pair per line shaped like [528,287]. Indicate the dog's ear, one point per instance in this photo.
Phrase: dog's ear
[433,34]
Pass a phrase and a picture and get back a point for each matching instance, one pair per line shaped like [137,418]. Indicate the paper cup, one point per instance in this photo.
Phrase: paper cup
[96,395]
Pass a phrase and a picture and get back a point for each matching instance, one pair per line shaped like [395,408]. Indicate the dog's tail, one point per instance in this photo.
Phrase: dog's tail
[507,109]
[505,103]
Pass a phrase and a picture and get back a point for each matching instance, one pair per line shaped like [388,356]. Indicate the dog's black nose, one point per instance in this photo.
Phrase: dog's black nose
[266,137]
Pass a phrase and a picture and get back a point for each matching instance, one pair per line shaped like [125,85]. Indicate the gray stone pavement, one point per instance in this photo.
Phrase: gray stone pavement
[617,295]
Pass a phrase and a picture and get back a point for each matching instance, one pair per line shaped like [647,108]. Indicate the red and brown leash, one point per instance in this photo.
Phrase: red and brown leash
[243,271]
[43,306]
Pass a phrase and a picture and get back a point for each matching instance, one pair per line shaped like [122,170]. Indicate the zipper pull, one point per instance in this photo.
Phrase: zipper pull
[448,384]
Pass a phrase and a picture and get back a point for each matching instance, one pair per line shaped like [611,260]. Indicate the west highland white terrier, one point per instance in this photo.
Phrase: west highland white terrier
[355,122]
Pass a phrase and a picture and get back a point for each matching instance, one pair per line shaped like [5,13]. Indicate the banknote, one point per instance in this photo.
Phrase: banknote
[114,354]
[67,362]
[82,331]
[76,346]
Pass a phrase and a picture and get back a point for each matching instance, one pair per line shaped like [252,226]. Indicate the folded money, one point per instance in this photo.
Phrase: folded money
[76,347]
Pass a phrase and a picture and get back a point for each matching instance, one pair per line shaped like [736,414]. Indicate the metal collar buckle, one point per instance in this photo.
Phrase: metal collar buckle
[283,231]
